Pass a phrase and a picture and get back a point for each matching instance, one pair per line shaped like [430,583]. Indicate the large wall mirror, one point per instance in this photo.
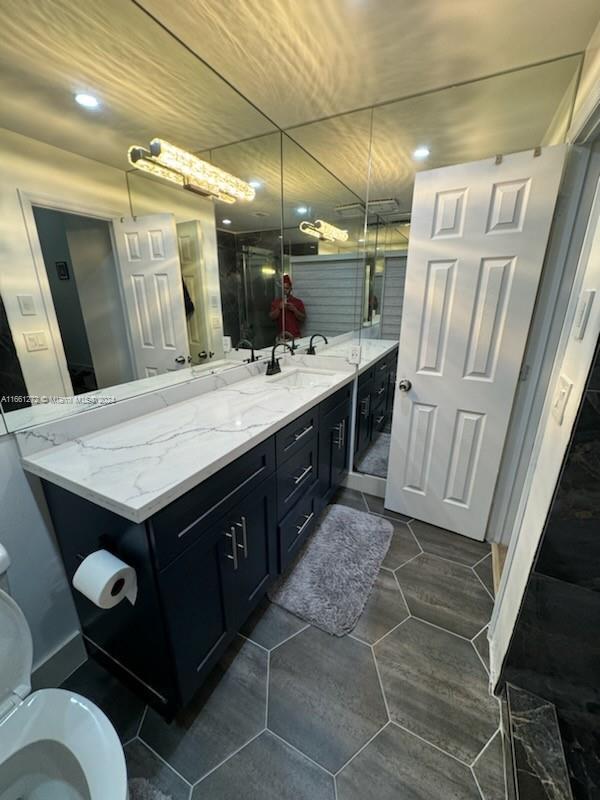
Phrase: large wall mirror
[118,278]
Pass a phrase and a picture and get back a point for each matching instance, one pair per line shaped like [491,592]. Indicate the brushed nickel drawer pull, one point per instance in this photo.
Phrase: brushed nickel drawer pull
[303,475]
[343,423]
[298,436]
[381,390]
[365,406]
[379,420]
[307,519]
[244,545]
[233,556]
[383,366]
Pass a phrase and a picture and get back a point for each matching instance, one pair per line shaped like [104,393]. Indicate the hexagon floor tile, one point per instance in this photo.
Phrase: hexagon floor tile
[445,594]
[143,764]
[266,769]
[398,765]
[123,708]
[437,687]
[270,625]
[324,696]
[489,770]
[229,710]
[443,543]
[384,609]
[403,546]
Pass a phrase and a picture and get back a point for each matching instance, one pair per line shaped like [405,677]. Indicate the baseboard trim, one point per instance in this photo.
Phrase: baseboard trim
[62,663]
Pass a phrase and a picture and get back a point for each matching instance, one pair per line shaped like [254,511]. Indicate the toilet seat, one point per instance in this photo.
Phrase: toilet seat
[53,715]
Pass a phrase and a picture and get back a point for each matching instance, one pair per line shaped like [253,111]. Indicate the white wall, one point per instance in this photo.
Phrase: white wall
[37,579]
[588,93]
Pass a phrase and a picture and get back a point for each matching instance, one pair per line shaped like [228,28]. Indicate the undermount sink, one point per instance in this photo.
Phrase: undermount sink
[302,378]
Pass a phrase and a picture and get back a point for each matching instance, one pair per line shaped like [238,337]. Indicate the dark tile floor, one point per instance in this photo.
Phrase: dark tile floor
[400,708]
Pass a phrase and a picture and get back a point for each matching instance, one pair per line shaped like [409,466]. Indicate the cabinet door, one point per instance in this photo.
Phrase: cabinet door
[196,607]
[334,430]
[363,418]
[249,542]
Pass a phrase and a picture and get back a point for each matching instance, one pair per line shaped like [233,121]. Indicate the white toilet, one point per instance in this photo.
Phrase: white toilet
[54,744]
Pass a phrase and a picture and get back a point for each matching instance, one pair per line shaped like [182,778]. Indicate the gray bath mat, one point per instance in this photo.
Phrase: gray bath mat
[142,789]
[334,574]
[375,460]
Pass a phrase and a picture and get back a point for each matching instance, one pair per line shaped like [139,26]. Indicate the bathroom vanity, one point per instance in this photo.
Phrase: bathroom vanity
[208,500]
[374,400]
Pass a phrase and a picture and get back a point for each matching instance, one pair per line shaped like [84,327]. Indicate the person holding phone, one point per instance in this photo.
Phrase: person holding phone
[288,312]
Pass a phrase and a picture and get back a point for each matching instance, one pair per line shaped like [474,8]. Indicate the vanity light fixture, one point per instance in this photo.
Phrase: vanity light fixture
[185,169]
[87,100]
[421,152]
[324,231]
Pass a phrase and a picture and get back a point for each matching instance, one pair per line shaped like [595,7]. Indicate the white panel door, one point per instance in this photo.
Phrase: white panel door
[150,275]
[477,243]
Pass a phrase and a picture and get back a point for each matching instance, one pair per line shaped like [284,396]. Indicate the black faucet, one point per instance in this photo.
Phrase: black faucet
[273,367]
[311,347]
[247,341]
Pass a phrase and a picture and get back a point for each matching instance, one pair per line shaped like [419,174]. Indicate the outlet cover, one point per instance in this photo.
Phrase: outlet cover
[227,344]
[354,354]
[561,398]
[26,305]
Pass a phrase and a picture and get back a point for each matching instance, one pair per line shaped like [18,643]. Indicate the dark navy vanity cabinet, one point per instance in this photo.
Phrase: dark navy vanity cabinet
[375,398]
[204,561]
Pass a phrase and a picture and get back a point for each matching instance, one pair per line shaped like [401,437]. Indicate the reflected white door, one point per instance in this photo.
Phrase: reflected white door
[150,275]
[189,237]
[477,242]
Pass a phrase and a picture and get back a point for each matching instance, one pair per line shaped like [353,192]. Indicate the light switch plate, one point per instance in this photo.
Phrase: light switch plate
[354,354]
[561,398]
[227,344]
[35,340]
[26,305]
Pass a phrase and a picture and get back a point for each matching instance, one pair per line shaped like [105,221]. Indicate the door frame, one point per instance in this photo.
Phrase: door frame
[29,200]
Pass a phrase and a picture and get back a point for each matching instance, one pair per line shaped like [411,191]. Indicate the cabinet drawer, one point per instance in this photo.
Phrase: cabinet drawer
[297,527]
[343,395]
[178,525]
[295,476]
[295,435]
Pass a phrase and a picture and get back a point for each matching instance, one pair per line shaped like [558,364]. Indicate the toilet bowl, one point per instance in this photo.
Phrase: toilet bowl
[54,744]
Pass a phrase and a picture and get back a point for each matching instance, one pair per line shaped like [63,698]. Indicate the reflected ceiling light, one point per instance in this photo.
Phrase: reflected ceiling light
[255,184]
[87,100]
[361,239]
[421,152]
[173,164]
[226,221]
[324,231]
[301,210]
[268,271]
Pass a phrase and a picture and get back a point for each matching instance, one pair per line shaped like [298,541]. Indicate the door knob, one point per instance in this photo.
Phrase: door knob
[405,385]
[180,360]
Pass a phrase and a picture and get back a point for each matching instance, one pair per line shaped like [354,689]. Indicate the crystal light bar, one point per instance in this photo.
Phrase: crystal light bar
[171,163]
[324,230]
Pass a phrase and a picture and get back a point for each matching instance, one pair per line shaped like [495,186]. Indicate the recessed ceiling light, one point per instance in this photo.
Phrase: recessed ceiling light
[361,240]
[87,100]
[255,184]
[301,210]
[226,221]
[421,152]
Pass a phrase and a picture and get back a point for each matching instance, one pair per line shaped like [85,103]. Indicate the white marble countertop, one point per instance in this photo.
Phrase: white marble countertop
[140,465]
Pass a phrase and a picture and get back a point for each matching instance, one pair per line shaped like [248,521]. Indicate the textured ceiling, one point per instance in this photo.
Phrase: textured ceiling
[300,60]
[296,64]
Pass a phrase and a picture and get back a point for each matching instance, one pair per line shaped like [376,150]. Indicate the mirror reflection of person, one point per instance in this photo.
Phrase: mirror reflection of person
[288,312]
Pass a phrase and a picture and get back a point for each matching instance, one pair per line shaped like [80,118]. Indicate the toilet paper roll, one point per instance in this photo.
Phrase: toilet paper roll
[105,579]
